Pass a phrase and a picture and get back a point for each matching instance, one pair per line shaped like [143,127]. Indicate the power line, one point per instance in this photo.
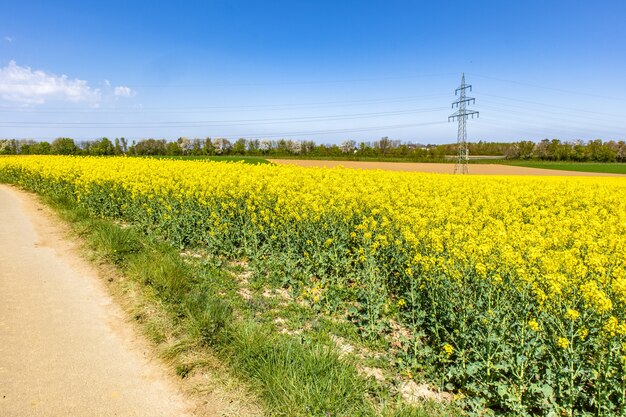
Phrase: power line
[222,123]
[537,103]
[579,93]
[256,107]
[271,135]
[539,117]
[551,131]
[333,131]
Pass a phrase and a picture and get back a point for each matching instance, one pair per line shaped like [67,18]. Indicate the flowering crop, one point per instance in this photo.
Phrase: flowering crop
[511,291]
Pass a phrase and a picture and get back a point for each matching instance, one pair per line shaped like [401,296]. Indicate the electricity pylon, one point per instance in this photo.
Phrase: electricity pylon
[462,114]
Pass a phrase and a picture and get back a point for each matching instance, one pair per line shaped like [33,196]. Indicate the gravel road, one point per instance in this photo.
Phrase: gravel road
[65,348]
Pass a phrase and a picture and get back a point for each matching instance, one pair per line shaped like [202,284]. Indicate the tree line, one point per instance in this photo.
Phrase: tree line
[547,149]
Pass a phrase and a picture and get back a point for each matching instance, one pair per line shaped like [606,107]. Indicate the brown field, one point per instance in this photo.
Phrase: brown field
[478,169]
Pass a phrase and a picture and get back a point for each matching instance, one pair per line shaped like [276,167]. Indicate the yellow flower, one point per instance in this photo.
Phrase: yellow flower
[448,349]
[614,328]
[595,297]
[534,325]
[562,342]
[572,314]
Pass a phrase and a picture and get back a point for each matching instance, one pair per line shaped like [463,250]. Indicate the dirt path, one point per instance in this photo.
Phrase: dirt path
[476,169]
[65,348]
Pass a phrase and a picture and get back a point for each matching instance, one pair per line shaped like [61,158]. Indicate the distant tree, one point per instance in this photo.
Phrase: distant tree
[208,148]
[621,151]
[41,148]
[365,149]
[222,146]
[334,150]
[173,149]
[63,146]
[124,145]
[28,147]
[132,149]
[383,145]
[348,146]
[520,150]
[281,147]
[149,147]
[254,147]
[401,151]
[294,147]
[308,146]
[185,145]
[526,149]
[600,151]
[266,146]
[102,147]
[542,149]
[437,152]
[420,153]
[196,147]
[118,147]
[5,146]
[578,151]
[239,147]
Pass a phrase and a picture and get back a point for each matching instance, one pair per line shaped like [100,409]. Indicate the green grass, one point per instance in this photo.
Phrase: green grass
[192,305]
[605,167]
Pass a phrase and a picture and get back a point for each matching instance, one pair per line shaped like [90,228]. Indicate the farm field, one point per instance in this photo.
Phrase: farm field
[505,294]
[486,167]
[607,167]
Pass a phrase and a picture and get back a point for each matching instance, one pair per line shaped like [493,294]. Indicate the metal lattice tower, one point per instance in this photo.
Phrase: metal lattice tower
[462,114]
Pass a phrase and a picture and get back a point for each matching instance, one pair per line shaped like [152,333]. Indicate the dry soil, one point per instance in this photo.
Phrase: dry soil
[475,169]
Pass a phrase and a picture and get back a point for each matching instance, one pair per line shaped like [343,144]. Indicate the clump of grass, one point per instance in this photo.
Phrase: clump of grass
[210,318]
[113,243]
[299,379]
[158,267]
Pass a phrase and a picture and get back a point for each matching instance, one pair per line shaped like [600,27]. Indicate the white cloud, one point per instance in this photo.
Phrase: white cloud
[122,91]
[8,39]
[23,85]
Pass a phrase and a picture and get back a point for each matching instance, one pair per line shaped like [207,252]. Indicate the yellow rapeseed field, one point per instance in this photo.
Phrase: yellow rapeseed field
[508,291]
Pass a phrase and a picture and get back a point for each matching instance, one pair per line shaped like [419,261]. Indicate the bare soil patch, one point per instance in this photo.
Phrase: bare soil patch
[474,169]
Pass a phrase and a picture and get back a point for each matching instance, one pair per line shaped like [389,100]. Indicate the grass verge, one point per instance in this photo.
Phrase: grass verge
[191,309]
[604,167]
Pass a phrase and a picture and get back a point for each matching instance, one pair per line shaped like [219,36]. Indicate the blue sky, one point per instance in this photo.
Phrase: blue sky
[321,70]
